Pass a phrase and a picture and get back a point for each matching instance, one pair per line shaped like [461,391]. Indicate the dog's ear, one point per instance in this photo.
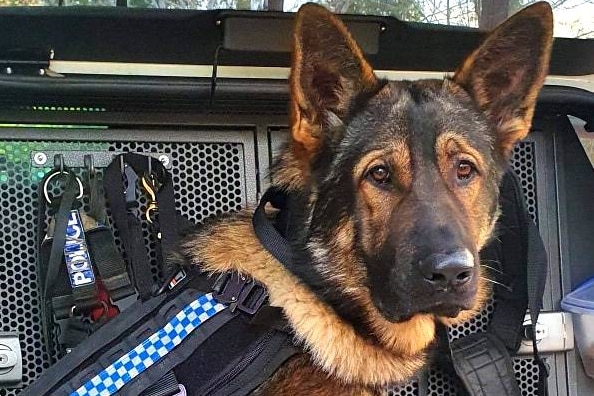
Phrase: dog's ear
[328,74]
[506,72]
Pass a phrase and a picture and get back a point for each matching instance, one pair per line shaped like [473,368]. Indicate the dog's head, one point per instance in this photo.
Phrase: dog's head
[400,179]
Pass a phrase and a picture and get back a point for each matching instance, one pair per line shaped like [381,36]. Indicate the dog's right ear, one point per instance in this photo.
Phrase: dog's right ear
[328,74]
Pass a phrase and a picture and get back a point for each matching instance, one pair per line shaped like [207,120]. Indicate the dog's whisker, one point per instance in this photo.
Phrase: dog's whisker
[492,268]
[484,260]
[506,287]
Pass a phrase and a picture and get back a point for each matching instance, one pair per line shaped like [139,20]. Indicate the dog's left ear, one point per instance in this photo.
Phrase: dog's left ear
[328,74]
[506,72]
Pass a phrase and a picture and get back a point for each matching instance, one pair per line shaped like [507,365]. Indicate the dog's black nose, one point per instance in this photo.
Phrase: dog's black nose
[448,271]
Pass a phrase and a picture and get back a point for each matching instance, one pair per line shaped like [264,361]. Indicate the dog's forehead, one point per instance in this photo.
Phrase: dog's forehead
[419,111]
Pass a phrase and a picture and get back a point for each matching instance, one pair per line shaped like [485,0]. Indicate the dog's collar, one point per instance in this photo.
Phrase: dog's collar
[269,236]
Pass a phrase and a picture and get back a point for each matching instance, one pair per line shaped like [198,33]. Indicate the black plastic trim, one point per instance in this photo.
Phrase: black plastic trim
[117,34]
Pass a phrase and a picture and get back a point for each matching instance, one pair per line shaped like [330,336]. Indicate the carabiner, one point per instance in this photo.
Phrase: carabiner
[152,205]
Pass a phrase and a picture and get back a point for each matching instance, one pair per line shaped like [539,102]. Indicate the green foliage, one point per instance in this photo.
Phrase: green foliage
[406,10]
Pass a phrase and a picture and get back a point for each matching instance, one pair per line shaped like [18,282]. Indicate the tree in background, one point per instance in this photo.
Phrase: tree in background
[484,14]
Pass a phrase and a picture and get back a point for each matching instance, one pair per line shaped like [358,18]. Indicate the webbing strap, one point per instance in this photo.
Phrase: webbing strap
[166,386]
[536,282]
[130,230]
[151,350]
[536,275]
[130,227]
[109,263]
[508,254]
[267,234]
[482,360]
[483,364]
[54,262]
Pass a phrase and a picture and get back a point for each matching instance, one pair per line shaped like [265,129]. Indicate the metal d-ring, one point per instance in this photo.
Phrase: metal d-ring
[90,165]
[59,173]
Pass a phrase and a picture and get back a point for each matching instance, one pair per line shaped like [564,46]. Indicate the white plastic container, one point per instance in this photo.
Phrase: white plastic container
[580,303]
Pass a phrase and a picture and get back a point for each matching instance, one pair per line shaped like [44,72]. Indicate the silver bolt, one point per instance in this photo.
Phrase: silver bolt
[164,159]
[40,158]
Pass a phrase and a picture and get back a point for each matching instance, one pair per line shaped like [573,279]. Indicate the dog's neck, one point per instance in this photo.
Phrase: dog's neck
[332,342]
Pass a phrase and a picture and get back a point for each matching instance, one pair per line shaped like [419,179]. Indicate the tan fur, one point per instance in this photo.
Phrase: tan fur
[408,337]
[377,203]
[451,147]
[333,344]
[290,171]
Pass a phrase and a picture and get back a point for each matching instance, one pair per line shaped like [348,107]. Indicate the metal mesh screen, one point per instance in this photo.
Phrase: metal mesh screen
[209,179]
[524,163]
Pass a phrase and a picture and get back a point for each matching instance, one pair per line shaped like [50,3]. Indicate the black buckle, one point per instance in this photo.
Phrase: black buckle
[240,292]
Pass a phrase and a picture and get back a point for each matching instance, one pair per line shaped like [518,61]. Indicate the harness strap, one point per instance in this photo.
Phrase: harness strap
[55,261]
[534,276]
[482,360]
[152,349]
[484,365]
[127,169]
[51,260]
[106,257]
[508,253]
[129,227]
[110,265]
[267,234]
[166,386]
[536,281]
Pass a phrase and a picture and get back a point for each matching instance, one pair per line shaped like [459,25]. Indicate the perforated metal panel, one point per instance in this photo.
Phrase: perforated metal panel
[410,389]
[524,163]
[210,178]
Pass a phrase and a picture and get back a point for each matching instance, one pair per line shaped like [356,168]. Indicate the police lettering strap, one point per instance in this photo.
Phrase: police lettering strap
[81,271]
[76,253]
[151,350]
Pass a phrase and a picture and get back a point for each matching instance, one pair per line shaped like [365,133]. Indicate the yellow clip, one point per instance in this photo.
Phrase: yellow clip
[152,205]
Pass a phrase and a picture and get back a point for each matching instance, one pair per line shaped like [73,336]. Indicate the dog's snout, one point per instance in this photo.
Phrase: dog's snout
[448,271]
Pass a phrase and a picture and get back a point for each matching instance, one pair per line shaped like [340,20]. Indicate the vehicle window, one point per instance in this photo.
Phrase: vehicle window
[586,138]
[573,18]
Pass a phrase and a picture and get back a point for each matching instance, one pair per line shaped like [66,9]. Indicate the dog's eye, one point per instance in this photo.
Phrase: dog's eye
[465,170]
[379,174]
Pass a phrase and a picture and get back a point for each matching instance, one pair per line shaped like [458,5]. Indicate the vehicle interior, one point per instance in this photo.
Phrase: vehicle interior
[203,88]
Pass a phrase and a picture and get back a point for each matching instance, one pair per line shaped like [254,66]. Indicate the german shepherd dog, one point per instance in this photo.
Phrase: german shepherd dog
[393,190]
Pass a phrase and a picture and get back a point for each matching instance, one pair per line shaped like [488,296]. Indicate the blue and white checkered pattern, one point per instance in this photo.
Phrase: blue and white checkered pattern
[151,350]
